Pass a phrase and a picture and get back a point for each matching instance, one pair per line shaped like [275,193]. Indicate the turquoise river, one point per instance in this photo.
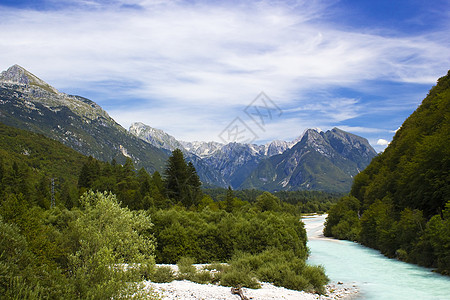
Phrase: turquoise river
[376,276]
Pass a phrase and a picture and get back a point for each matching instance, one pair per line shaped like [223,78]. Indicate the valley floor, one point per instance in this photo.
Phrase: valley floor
[194,291]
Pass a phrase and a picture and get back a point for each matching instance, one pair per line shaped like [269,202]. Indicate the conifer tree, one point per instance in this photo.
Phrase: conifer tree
[193,186]
[176,175]
[182,181]
[89,173]
[229,200]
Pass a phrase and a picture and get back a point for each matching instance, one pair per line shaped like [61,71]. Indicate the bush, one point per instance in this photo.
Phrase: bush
[163,274]
[216,236]
[185,265]
[316,277]
[107,236]
[215,266]
[281,268]
[235,277]
[186,270]
[202,277]
[144,271]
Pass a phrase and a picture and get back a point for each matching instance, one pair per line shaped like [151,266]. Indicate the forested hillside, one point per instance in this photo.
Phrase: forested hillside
[403,196]
[105,215]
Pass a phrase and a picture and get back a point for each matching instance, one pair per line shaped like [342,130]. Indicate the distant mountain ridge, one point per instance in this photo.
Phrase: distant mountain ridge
[319,161]
[315,160]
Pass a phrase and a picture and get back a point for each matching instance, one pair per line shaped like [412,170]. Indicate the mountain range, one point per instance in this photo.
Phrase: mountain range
[316,160]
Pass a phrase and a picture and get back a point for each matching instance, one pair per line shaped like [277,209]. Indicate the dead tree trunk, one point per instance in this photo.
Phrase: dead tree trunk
[238,291]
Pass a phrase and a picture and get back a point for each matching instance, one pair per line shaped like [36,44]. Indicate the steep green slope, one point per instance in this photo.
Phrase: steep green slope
[29,103]
[413,171]
[403,196]
[46,157]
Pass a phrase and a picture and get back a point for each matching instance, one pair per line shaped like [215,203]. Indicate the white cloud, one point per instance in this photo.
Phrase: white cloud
[382,142]
[395,131]
[195,66]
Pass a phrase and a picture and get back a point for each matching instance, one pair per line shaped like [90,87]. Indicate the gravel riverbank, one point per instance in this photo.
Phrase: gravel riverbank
[193,291]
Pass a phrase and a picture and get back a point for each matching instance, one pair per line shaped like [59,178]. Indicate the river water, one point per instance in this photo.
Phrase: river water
[376,276]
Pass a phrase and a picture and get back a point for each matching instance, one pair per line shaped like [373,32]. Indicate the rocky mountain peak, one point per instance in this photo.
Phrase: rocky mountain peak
[18,75]
[312,136]
[155,137]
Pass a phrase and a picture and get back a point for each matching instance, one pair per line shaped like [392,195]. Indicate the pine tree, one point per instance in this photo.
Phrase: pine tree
[229,200]
[182,182]
[193,186]
[158,191]
[176,175]
[89,173]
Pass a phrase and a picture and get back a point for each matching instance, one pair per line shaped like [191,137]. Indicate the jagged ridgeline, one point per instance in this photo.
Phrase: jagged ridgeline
[404,193]
[29,103]
[316,160]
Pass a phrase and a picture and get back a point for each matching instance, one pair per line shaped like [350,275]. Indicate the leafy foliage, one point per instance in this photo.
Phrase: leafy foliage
[282,268]
[107,236]
[215,236]
[403,195]
[99,237]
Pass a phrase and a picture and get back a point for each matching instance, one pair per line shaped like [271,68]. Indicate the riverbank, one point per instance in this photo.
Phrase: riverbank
[194,291]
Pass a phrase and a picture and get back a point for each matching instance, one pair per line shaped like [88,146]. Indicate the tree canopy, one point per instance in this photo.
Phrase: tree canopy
[403,195]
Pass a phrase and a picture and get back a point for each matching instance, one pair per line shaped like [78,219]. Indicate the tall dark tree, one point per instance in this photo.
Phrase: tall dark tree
[128,186]
[229,200]
[193,186]
[17,180]
[182,181]
[158,191]
[176,176]
[144,182]
[89,173]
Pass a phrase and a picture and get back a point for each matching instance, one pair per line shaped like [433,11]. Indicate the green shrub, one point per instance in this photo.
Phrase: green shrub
[281,268]
[163,274]
[316,276]
[144,271]
[202,277]
[185,265]
[235,277]
[296,282]
[216,236]
[186,270]
[19,289]
[217,266]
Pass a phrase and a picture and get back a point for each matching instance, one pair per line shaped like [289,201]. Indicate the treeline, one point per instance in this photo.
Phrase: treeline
[180,186]
[74,239]
[299,201]
[400,204]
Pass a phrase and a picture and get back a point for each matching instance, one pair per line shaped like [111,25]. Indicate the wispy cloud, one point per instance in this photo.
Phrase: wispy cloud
[188,64]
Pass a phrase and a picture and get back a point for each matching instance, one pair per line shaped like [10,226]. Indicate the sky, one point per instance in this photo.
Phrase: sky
[246,71]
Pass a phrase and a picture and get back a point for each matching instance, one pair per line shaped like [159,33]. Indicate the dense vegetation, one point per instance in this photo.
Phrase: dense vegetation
[400,203]
[105,216]
[299,201]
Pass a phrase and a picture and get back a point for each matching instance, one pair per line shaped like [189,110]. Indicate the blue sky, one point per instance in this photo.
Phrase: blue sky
[193,67]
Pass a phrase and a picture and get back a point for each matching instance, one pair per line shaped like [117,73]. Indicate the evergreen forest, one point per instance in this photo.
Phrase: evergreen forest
[400,204]
[74,227]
